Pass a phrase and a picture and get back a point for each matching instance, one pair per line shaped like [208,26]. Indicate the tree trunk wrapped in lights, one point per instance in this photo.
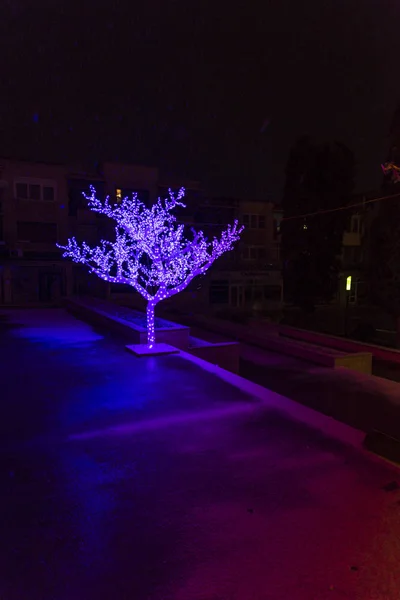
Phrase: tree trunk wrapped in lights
[151,252]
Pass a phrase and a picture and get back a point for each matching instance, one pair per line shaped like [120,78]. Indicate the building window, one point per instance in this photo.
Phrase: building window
[254,221]
[118,195]
[37,232]
[48,193]
[254,253]
[22,190]
[34,191]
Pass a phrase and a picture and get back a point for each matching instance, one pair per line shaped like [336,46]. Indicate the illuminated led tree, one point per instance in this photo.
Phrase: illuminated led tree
[151,252]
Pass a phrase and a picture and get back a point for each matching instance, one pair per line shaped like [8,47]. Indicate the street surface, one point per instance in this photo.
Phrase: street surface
[152,479]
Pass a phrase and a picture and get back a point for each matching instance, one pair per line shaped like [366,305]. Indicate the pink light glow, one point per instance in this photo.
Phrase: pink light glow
[151,252]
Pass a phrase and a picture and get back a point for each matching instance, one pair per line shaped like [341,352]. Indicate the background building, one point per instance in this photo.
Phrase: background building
[42,204]
[114,180]
[251,274]
[356,250]
[34,216]
[245,280]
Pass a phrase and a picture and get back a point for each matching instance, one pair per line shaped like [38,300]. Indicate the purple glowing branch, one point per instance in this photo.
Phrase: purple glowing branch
[150,251]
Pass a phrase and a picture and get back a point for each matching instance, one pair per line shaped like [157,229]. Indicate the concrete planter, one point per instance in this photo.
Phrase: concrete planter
[170,336]
[112,316]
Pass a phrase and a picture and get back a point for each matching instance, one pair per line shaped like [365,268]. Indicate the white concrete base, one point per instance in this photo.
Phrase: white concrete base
[156,350]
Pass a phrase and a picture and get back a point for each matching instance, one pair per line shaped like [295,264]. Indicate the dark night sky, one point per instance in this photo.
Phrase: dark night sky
[188,85]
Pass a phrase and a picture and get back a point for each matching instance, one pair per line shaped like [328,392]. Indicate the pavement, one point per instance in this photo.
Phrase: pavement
[153,479]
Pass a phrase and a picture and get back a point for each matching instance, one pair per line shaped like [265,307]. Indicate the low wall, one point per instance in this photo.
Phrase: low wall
[341,344]
[267,337]
[225,355]
[91,310]
[225,328]
[97,318]
[326,357]
[357,361]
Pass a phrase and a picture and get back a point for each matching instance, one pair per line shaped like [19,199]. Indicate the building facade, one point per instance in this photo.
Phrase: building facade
[34,216]
[116,181]
[247,279]
[356,249]
[42,204]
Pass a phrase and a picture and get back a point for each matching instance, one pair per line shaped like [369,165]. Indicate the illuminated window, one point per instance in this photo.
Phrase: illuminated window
[118,194]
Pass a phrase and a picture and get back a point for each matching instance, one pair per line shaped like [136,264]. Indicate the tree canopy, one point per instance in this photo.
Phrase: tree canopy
[151,251]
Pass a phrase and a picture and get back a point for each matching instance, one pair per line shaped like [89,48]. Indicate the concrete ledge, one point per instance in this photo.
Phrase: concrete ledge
[224,354]
[359,361]
[339,343]
[100,311]
[269,339]
[326,357]
[155,350]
